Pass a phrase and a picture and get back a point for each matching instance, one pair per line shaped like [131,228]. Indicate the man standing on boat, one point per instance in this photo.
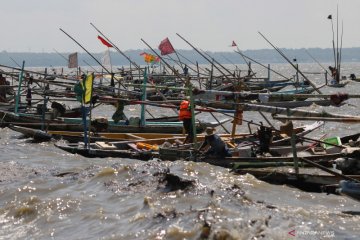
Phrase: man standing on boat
[2,88]
[186,70]
[185,117]
[334,75]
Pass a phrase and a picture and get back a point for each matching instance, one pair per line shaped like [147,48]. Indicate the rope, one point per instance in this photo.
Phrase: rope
[2,120]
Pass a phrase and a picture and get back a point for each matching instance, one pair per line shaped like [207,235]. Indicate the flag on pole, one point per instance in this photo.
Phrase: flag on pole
[83,89]
[73,60]
[106,43]
[105,60]
[149,58]
[87,85]
[233,44]
[166,47]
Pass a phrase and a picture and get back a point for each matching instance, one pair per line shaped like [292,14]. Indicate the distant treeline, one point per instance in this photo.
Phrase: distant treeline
[264,56]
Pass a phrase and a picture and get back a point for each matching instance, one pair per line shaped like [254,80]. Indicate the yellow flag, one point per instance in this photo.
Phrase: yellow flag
[87,87]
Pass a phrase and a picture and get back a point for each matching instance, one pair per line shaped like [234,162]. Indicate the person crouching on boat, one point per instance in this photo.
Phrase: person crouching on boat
[185,117]
[214,144]
[265,138]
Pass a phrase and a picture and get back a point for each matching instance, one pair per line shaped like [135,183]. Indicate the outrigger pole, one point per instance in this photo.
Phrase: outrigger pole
[19,89]
[61,55]
[288,60]
[251,59]
[190,62]
[317,62]
[214,60]
[117,49]
[86,51]
[333,40]
[247,63]
[175,72]
[124,55]
[206,58]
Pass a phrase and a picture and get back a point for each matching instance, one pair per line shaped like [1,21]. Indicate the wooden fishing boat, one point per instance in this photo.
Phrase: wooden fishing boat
[339,85]
[256,85]
[350,189]
[308,179]
[355,79]
[263,97]
[111,149]
[265,81]
[284,95]
[104,149]
[235,162]
[281,148]
[76,125]
[74,137]
[136,146]
[23,108]
[284,104]
[11,106]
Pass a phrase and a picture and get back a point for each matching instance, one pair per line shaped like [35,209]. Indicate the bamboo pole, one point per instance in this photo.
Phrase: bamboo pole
[326,72]
[283,55]
[142,115]
[192,108]
[214,60]
[217,120]
[205,58]
[267,67]
[116,48]
[44,107]
[350,119]
[19,88]
[174,71]
[329,171]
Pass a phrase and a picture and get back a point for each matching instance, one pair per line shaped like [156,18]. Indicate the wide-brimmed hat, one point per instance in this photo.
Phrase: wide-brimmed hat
[209,131]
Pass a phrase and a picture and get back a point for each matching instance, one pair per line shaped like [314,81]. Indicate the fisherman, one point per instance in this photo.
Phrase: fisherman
[265,138]
[186,70]
[185,117]
[334,75]
[119,113]
[216,146]
[3,89]
[352,76]
[28,95]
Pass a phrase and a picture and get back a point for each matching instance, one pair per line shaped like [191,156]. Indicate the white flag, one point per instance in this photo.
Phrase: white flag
[105,60]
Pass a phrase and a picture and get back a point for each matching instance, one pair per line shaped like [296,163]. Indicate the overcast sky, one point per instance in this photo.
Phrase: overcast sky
[33,25]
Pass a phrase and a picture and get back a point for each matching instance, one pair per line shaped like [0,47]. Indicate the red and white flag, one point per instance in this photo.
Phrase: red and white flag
[166,47]
[106,43]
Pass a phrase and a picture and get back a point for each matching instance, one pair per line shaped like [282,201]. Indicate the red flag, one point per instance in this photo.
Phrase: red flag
[166,47]
[104,42]
[233,44]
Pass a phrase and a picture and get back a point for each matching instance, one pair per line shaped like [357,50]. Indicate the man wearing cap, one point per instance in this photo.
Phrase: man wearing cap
[185,117]
[217,146]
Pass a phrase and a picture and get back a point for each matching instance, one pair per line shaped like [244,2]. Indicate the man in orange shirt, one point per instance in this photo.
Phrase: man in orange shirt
[185,117]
